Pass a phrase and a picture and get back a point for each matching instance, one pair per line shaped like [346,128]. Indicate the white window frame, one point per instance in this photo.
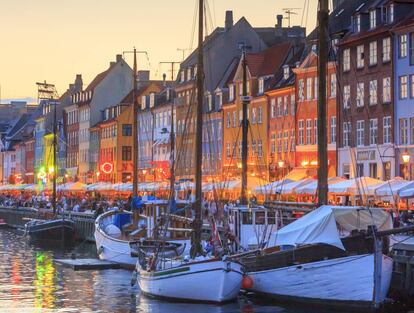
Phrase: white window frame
[373,53]
[373,19]
[373,92]
[386,49]
[360,133]
[347,97]
[373,131]
[386,125]
[360,95]
[346,62]
[360,57]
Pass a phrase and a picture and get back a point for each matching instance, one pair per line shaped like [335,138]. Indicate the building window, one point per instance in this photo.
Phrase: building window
[373,131]
[387,129]
[227,150]
[360,56]
[259,148]
[360,94]
[358,23]
[333,85]
[261,85]
[308,131]
[411,48]
[279,142]
[333,129]
[372,19]
[412,86]
[285,141]
[386,49]
[373,170]
[292,140]
[309,88]
[126,153]
[126,130]
[412,130]
[273,108]
[404,131]
[360,169]
[253,147]
[253,116]
[373,55]
[360,133]
[228,120]
[285,105]
[386,90]
[347,96]
[259,115]
[234,119]
[301,90]
[300,132]
[231,92]
[346,62]
[391,12]
[273,143]
[346,171]
[315,130]
[402,51]
[373,91]
[292,104]
[316,88]
[286,72]
[403,87]
[347,132]
[387,170]
[279,106]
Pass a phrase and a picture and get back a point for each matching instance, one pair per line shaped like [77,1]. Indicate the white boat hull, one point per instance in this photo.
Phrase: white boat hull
[115,250]
[348,280]
[211,281]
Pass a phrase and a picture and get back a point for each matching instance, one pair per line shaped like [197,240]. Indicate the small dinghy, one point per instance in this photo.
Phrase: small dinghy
[50,230]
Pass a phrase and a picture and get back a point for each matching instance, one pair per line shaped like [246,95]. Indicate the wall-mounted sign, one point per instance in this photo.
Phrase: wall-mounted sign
[107,168]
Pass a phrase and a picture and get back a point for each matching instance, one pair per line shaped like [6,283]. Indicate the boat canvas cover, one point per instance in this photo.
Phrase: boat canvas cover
[326,224]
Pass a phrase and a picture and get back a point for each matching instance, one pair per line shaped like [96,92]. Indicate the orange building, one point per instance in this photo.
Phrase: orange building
[306,114]
[261,70]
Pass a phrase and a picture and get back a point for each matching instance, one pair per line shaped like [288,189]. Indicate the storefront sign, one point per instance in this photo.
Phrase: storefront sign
[366,155]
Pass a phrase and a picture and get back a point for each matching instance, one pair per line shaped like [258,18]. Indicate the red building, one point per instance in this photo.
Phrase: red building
[72,139]
[306,114]
[29,160]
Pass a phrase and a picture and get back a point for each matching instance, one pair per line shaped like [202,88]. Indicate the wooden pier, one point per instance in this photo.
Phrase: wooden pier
[88,264]
[17,217]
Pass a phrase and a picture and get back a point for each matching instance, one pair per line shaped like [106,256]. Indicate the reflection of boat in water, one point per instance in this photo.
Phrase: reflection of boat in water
[51,230]
[118,236]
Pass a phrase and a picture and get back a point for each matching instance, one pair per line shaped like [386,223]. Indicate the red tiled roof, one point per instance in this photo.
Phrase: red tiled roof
[268,61]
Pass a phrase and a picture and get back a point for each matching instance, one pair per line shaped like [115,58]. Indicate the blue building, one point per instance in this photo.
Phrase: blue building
[404,97]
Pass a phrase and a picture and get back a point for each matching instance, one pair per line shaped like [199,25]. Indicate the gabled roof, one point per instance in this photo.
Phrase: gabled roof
[98,78]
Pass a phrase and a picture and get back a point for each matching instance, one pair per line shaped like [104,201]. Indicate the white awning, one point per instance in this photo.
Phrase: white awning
[393,187]
[355,186]
[290,188]
[320,226]
[312,186]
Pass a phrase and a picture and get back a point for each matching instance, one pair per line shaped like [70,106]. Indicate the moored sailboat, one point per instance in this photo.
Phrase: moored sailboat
[199,278]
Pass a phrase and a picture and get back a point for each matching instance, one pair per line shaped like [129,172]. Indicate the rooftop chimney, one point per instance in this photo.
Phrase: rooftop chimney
[78,83]
[229,20]
[164,77]
[118,58]
[279,21]
[143,76]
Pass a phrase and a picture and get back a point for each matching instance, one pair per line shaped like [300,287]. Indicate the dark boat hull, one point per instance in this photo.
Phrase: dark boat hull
[54,230]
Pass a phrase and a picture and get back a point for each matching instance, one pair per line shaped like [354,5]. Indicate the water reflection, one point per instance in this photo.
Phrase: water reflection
[31,282]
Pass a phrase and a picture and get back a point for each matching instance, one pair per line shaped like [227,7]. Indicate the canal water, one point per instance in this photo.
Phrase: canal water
[31,282]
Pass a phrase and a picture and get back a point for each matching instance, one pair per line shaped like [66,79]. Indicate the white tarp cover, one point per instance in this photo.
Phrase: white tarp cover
[407,193]
[311,187]
[355,186]
[393,187]
[270,188]
[327,223]
[290,188]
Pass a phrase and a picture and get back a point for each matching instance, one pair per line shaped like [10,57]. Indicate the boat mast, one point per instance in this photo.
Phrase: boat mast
[172,153]
[196,243]
[323,17]
[245,130]
[135,128]
[54,157]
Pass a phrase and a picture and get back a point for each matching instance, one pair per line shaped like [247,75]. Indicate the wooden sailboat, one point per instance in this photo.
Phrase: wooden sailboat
[56,229]
[334,256]
[198,278]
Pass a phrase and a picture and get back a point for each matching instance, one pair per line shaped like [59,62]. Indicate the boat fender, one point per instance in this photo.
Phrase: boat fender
[100,250]
[134,278]
[228,266]
[299,267]
[247,282]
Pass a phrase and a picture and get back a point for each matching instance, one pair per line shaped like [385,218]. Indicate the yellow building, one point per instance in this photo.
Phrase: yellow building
[48,156]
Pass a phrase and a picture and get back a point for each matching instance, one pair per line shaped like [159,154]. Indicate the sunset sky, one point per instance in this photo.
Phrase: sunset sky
[54,40]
